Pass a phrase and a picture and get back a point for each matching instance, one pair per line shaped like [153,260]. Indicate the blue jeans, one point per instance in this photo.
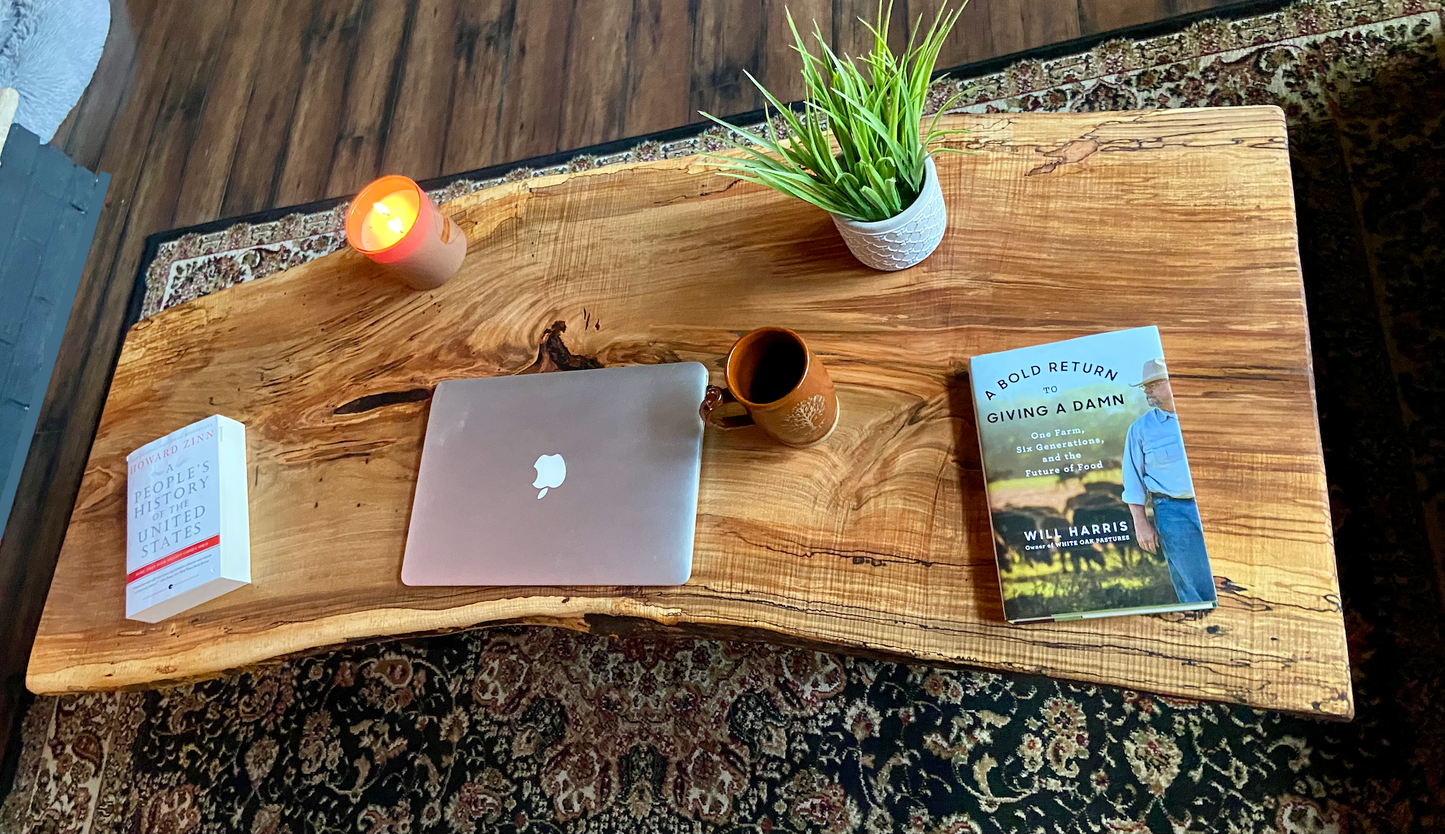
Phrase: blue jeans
[1182,539]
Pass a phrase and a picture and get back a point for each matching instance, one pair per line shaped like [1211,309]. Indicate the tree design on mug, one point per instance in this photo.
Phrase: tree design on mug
[806,416]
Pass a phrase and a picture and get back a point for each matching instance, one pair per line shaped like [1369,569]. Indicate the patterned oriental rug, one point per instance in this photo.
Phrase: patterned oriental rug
[544,730]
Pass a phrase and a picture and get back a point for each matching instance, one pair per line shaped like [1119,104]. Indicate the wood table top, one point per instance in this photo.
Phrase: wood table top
[875,541]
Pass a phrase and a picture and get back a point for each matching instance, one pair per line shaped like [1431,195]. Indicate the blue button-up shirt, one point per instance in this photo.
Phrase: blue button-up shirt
[1154,458]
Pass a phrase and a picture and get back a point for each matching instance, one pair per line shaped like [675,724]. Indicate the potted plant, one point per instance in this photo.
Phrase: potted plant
[856,147]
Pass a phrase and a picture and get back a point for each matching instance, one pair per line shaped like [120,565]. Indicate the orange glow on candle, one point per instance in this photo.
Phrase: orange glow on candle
[394,223]
[390,218]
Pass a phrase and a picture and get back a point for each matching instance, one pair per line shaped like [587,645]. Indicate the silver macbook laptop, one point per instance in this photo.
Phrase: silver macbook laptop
[569,478]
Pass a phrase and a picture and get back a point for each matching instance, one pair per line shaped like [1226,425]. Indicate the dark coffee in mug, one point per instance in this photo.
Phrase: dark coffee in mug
[773,369]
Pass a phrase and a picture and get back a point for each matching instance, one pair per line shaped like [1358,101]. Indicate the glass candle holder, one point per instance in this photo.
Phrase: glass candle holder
[394,223]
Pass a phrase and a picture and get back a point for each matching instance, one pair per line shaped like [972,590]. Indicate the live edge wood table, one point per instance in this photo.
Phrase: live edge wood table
[876,541]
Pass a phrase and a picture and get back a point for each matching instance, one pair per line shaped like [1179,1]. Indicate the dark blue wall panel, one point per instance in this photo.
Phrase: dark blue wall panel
[48,210]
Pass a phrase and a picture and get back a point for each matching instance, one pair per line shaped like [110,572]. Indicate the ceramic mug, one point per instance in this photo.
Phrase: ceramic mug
[774,381]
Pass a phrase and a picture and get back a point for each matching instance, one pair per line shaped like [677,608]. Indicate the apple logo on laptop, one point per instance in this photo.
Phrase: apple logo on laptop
[551,472]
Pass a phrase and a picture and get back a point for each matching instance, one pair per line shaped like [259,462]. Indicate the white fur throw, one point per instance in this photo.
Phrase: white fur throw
[48,52]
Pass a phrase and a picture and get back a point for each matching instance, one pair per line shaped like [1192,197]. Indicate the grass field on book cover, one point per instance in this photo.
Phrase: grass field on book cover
[1089,488]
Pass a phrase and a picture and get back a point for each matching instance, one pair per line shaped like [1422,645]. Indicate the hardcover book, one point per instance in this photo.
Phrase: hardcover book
[187,529]
[1090,495]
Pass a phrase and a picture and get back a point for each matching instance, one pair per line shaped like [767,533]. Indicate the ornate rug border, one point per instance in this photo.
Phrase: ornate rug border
[1003,77]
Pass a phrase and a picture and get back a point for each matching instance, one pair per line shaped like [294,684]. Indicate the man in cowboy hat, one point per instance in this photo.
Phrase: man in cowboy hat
[1155,468]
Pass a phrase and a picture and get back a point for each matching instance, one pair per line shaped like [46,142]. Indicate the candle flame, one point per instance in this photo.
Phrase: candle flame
[392,216]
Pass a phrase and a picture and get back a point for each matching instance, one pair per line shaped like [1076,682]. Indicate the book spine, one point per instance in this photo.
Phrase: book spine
[235,511]
[994,535]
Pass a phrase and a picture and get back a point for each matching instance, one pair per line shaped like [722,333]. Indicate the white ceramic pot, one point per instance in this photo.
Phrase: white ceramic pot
[902,241]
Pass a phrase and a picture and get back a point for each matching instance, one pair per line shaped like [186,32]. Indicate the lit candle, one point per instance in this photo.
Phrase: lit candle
[393,222]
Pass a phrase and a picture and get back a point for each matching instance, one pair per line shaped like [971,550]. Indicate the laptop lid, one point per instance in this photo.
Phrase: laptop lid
[568,478]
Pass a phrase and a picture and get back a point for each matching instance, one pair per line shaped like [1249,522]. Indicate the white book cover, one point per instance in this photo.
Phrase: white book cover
[187,529]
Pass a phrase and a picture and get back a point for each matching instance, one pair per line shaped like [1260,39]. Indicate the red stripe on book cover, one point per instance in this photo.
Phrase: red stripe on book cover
[184,553]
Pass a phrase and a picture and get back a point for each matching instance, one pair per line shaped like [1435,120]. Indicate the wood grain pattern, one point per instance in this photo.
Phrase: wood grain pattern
[445,121]
[727,39]
[263,145]
[483,31]
[371,91]
[535,70]
[1106,15]
[328,49]
[219,122]
[659,52]
[596,81]
[876,540]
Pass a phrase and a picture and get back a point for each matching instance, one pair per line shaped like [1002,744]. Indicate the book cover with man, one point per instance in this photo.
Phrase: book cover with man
[1090,494]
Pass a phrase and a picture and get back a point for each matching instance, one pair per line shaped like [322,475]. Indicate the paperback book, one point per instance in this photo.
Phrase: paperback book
[187,529]
[1090,494]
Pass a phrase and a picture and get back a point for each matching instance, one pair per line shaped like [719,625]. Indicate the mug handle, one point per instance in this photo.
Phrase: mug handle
[716,398]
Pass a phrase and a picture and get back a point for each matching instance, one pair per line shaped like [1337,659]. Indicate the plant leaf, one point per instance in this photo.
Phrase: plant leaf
[869,108]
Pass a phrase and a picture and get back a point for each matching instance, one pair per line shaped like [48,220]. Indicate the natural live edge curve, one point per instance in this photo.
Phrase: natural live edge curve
[899,473]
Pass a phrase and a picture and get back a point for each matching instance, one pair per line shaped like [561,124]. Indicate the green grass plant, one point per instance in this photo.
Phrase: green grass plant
[872,107]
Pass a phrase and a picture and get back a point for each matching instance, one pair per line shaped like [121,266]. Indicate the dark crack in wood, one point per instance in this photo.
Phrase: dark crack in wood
[371,402]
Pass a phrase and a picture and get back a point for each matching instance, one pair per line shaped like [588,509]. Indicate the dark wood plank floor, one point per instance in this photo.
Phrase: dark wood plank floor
[204,110]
